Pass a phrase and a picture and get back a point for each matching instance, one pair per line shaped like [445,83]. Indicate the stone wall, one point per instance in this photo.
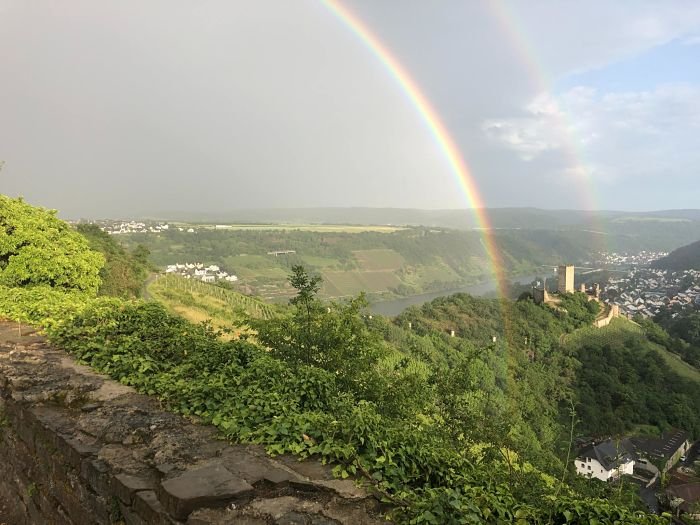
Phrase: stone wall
[611,311]
[78,448]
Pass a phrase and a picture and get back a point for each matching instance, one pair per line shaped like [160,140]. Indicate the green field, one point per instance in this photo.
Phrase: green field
[384,261]
[379,259]
[344,283]
[650,219]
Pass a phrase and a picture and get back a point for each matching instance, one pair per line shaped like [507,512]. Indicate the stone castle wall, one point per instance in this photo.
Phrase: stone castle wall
[613,311]
[77,448]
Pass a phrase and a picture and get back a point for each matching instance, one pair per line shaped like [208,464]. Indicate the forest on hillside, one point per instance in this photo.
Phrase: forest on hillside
[684,258]
[405,262]
[472,428]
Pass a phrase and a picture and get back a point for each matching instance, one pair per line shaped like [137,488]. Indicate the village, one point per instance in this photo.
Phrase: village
[648,291]
[120,227]
[207,274]
[614,259]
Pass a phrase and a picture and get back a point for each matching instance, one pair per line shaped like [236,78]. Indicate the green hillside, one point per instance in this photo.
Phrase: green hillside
[684,258]
[198,302]
[405,262]
[470,428]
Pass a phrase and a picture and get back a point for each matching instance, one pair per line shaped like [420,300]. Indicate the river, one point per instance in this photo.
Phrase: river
[396,306]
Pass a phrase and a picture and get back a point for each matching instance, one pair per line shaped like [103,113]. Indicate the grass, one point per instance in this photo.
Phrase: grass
[198,302]
[675,363]
[378,259]
[321,262]
[342,283]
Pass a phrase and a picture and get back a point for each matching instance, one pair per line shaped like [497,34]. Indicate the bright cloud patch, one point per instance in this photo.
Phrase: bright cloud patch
[609,135]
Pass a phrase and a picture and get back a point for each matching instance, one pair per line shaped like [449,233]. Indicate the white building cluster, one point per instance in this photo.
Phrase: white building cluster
[646,291]
[607,259]
[117,227]
[207,274]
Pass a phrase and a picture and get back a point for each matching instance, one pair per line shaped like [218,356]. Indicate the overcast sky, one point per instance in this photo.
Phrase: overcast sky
[111,108]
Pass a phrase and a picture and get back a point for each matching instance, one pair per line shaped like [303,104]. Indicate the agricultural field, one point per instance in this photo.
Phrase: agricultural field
[344,283]
[379,259]
[384,262]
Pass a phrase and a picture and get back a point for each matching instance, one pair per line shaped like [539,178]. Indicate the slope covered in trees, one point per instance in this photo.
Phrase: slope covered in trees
[124,271]
[38,249]
[684,258]
[405,262]
[448,430]
[623,383]
[47,270]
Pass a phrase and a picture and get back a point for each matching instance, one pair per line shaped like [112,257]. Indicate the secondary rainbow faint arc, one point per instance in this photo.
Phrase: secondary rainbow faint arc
[437,128]
[515,34]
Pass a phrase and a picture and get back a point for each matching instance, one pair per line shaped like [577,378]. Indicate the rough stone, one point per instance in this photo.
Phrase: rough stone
[126,486]
[210,485]
[76,447]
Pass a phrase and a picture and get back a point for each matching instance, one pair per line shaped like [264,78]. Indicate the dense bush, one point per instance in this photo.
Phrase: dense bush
[37,248]
[429,470]
[124,271]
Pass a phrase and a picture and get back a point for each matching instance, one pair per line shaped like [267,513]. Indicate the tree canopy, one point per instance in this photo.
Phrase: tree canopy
[37,248]
[124,271]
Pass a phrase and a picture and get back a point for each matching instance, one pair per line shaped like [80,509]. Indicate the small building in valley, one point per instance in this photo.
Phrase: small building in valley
[659,454]
[606,460]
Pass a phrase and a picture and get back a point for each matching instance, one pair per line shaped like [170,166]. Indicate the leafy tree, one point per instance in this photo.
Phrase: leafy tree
[124,272]
[333,337]
[37,248]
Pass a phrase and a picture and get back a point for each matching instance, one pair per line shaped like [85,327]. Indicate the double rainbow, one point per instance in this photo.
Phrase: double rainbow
[439,132]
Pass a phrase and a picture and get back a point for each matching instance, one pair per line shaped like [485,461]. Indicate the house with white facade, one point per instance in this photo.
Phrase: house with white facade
[606,460]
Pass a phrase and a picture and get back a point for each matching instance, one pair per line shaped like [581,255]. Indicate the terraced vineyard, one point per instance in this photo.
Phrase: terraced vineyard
[198,301]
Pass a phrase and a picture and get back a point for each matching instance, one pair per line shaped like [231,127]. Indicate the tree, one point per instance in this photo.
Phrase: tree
[334,337]
[37,248]
[124,272]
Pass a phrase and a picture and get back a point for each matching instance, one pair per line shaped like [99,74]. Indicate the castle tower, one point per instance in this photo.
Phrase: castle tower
[540,295]
[566,278]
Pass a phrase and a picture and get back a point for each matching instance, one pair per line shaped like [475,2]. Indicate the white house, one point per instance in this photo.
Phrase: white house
[605,461]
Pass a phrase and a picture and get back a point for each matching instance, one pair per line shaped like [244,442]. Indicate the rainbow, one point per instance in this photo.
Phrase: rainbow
[514,33]
[439,132]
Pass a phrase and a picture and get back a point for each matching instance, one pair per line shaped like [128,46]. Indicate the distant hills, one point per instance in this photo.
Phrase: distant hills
[684,258]
[663,230]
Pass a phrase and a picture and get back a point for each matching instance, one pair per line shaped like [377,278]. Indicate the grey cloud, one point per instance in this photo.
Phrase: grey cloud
[114,108]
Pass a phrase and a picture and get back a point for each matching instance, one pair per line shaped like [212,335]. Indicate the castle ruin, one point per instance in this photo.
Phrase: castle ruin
[565,273]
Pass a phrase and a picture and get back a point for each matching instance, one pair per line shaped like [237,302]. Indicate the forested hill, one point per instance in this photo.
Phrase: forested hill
[124,272]
[404,262]
[618,378]
[684,258]
[466,429]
